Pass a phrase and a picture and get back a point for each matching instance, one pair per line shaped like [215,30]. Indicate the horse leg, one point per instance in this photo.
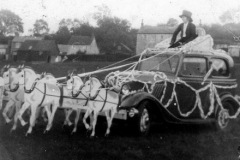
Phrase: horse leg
[95,115]
[22,110]
[32,118]
[18,105]
[78,111]
[43,114]
[1,97]
[48,110]
[37,114]
[88,112]
[6,109]
[91,120]
[109,120]
[67,121]
[50,120]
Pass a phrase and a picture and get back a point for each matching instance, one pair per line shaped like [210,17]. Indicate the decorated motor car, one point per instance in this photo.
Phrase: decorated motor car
[192,84]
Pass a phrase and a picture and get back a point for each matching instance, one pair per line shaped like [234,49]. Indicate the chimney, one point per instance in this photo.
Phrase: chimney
[142,24]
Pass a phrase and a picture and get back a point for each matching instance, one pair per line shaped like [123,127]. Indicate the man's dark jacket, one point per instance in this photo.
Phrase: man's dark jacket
[190,33]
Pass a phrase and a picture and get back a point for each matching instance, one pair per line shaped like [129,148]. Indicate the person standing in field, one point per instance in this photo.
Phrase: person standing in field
[187,29]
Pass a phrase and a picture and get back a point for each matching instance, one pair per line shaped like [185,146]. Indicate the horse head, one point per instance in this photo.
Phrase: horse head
[5,74]
[13,79]
[26,76]
[92,86]
[74,83]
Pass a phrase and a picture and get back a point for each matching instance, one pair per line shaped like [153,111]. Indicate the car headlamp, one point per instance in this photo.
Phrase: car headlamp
[125,89]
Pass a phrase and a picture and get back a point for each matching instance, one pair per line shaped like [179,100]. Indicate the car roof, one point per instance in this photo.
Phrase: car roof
[214,53]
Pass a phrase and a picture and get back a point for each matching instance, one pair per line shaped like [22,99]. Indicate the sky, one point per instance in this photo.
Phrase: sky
[151,11]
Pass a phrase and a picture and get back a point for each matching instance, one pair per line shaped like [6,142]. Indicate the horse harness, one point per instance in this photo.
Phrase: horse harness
[104,100]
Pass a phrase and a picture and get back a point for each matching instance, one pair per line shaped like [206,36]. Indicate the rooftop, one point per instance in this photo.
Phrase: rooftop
[40,45]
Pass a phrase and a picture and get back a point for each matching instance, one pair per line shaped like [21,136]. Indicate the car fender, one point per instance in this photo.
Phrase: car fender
[135,99]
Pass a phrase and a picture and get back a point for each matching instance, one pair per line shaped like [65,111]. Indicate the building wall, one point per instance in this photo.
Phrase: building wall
[93,48]
[149,40]
[73,49]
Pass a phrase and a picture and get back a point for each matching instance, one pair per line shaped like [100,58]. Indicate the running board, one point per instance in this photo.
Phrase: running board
[122,114]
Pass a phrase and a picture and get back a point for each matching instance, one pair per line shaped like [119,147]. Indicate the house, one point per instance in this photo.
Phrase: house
[63,49]
[18,41]
[3,50]
[84,44]
[149,36]
[38,50]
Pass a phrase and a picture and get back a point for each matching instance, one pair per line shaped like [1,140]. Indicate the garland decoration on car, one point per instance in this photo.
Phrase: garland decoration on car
[117,79]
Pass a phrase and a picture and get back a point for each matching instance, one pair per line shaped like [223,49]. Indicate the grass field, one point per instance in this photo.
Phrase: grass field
[166,142]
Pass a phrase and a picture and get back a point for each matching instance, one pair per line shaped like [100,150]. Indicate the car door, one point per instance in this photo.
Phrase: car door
[191,73]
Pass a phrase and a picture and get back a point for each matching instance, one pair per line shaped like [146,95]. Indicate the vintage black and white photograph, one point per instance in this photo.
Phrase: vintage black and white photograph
[119,80]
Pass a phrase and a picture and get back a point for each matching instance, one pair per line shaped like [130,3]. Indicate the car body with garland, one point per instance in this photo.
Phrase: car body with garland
[179,86]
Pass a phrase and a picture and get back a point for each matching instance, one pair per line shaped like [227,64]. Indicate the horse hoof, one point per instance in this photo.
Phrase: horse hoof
[106,135]
[92,137]
[45,119]
[46,132]
[8,121]
[26,134]
[24,123]
[12,130]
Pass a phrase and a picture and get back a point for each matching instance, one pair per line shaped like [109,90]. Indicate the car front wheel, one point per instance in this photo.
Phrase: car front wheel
[144,119]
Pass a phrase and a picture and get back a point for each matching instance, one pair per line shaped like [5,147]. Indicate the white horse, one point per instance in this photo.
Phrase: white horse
[33,94]
[4,73]
[15,92]
[101,100]
[44,94]
[78,98]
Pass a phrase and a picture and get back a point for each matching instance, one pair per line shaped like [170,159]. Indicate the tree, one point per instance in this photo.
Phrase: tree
[10,23]
[230,16]
[40,27]
[84,29]
[63,35]
[66,23]
[172,22]
[112,31]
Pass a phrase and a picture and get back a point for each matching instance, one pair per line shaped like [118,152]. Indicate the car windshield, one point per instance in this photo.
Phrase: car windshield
[161,63]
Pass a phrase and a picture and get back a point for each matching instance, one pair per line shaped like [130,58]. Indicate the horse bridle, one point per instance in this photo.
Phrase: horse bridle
[17,85]
[79,90]
[33,85]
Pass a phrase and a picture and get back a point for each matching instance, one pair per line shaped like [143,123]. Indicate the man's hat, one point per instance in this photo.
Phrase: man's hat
[187,14]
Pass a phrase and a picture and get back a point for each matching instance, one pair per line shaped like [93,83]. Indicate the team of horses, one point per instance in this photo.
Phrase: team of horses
[42,94]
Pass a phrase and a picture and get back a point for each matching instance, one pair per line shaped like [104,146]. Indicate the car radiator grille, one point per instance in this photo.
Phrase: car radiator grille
[158,90]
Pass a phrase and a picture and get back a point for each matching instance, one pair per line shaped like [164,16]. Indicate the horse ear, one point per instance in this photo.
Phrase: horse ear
[23,66]
[8,66]
[69,72]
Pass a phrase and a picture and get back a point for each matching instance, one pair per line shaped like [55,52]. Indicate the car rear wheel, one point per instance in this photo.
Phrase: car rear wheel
[144,119]
[222,122]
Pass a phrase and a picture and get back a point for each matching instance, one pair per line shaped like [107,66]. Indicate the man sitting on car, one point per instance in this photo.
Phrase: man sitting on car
[187,29]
